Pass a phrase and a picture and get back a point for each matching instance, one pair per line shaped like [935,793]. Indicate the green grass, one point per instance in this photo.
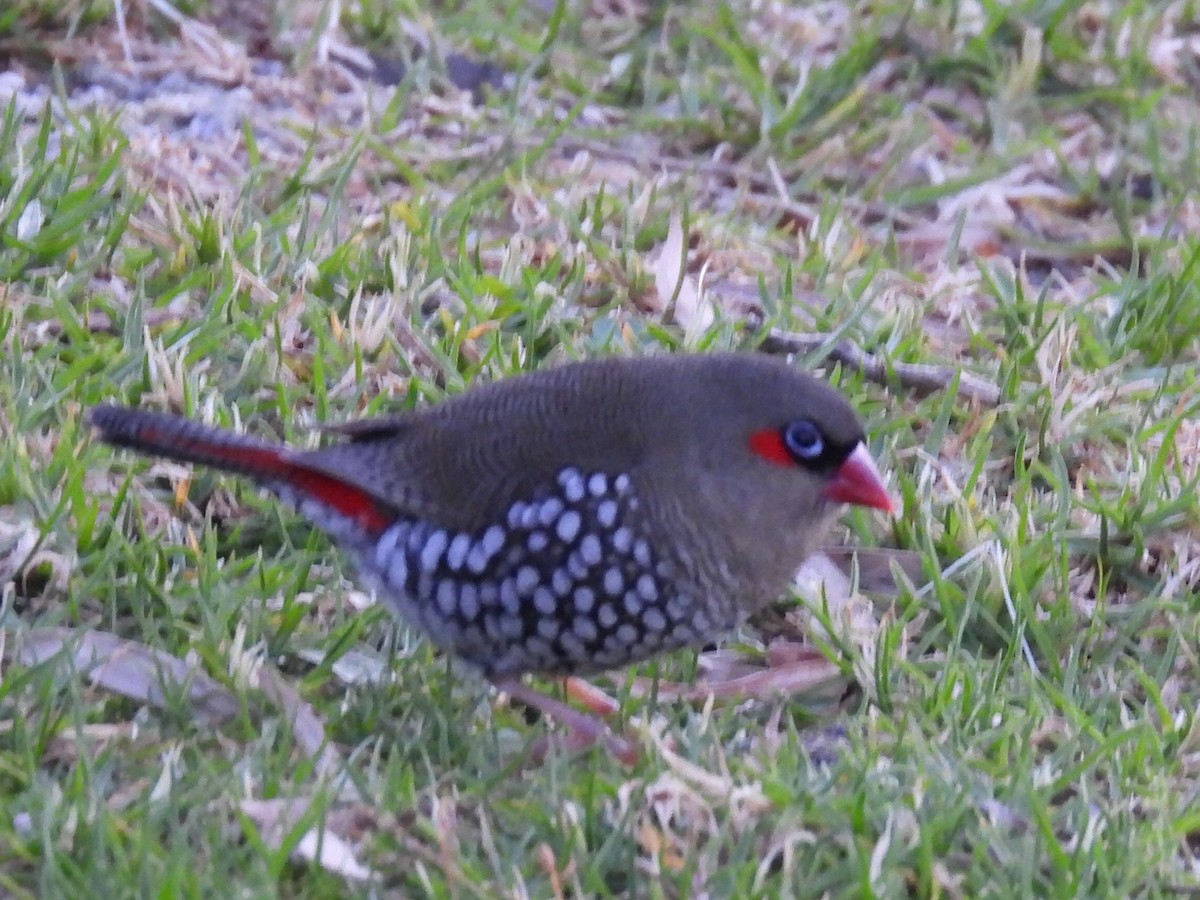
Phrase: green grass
[1009,189]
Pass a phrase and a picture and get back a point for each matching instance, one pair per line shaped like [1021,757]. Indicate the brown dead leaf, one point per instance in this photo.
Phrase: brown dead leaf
[128,668]
[811,674]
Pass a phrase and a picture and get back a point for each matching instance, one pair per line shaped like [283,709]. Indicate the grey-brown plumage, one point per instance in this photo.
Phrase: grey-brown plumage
[572,519]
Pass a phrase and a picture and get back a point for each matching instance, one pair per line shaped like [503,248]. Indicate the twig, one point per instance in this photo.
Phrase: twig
[123,34]
[919,377]
[203,36]
[762,181]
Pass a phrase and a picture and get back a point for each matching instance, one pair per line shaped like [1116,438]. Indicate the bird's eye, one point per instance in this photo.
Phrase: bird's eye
[804,440]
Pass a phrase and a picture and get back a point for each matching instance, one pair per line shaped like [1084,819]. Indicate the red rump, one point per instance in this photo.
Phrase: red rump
[769,445]
[338,495]
[268,464]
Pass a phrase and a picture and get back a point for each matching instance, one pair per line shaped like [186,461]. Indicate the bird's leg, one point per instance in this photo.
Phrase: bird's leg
[791,669]
[590,696]
[583,730]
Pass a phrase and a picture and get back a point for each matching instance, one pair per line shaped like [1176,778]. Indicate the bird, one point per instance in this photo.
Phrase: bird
[570,520]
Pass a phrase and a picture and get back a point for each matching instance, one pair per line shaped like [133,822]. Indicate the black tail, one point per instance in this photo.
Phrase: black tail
[161,434]
[174,437]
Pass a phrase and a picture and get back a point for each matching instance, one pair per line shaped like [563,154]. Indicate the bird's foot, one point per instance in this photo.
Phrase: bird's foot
[583,729]
[588,695]
[791,669]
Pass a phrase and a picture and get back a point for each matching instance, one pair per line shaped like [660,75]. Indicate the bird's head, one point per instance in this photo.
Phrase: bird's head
[790,439]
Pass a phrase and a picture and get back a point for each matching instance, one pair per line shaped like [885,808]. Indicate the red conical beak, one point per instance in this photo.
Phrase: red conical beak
[858,482]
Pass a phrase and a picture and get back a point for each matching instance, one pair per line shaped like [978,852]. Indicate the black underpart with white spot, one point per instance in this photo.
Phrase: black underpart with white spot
[565,583]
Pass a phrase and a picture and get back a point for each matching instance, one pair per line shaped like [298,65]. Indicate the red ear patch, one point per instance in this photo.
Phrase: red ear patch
[769,445]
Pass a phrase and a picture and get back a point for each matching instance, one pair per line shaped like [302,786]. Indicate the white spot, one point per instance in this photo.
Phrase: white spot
[641,552]
[568,526]
[489,593]
[598,485]
[654,620]
[529,516]
[485,548]
[584,628]
[572,484]
[622,539]
[627,635]
[516,513]
[571,646]
[456,553]
[538,541]
[527,580]
[538,648]
[647,588]
[511,627]
[651,640]
[431,553]
[614,582]
[585,599]
[544,601]
[548,628]
[682,635]
[397,572]
[509,598]
[491,624]
[416,540]
[561,582]
[590,550]
[677,607]
[492,540]
[477,559]
[621,484]
[576,567]
[387,546]
[468,600]
[701,622]
[447,597]
[606,616]
[550,510]
[606,513]
[633,603]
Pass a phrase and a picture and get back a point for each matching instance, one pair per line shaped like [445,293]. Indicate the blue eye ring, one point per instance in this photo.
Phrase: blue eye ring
[804,440]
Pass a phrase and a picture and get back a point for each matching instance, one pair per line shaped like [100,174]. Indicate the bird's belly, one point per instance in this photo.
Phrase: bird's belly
[509,602]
